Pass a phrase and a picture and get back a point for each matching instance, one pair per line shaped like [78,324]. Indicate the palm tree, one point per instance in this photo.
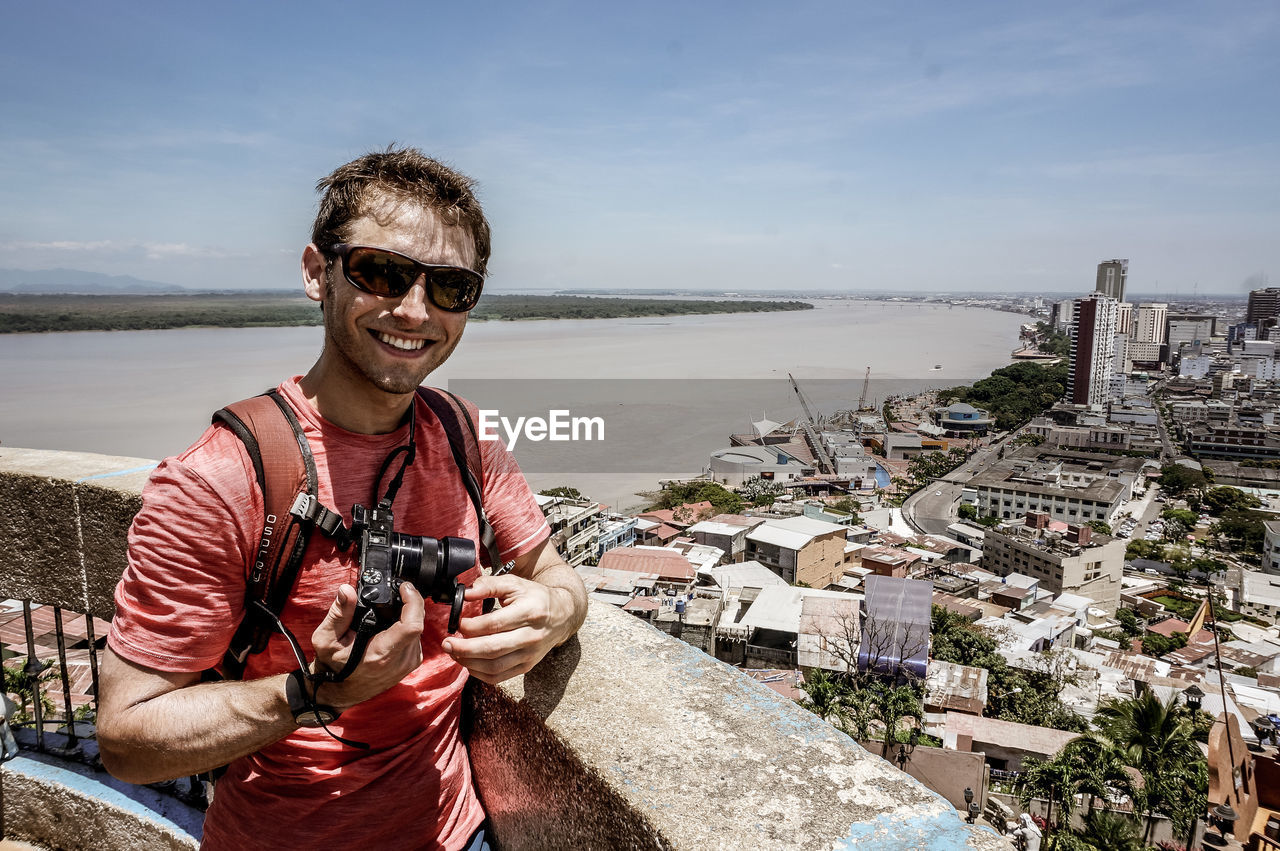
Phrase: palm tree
[1157,739]
[1052,779]
[1112,832]
[824,696]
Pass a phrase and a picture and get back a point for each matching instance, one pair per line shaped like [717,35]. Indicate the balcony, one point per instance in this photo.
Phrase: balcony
[624,737]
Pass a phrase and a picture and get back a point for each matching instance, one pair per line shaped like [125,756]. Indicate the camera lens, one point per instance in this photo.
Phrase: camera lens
[407,560]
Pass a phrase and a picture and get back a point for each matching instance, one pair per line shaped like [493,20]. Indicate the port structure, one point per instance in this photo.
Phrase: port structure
[811,426]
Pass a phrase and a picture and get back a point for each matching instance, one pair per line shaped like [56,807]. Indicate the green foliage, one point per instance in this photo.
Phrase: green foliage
[1102,527]
[863,706]
[562,491]
[1053,341]
[760,491]
[1129,622]
[33,313]
[1013,394]
[846,505]
[967,511]
[1218,501]
[508,307]
[1028,697]
[1154,644]
[678,493]
[1157,738]
[1153,550]
[27,688]
[1181,515]
[1242,529]
[1178,480]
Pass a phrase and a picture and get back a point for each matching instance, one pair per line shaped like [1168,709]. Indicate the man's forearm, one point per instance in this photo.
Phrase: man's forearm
[190,729]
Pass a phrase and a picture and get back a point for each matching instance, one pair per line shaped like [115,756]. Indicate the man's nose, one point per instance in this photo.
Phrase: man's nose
[413,306]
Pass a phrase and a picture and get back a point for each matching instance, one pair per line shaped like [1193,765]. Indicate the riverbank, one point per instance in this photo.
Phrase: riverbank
[23,313]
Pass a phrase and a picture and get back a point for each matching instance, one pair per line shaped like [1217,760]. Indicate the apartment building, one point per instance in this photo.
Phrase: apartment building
[1062,484]
[1073,560]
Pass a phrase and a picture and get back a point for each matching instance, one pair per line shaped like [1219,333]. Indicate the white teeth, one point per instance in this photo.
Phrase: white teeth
[401,342]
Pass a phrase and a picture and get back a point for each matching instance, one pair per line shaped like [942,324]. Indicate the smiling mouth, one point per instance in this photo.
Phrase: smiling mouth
[403,343]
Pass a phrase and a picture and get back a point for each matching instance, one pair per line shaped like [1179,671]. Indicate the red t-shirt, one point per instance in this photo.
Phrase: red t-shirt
[182,596]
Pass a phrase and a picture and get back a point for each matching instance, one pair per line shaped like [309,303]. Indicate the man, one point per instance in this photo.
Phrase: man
[397,258]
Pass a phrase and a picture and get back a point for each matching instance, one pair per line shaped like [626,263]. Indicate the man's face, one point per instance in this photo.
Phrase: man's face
[391,343]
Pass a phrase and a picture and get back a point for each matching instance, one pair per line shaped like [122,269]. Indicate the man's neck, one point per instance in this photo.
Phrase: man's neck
[351,403]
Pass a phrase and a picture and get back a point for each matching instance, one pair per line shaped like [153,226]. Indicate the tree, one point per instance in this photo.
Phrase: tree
[967,511]
[758,490]
[1157,738]
[1217,501]
[1178,479]
[562,491]
[1102,527]
[1053,780]
[28,688]
[1242,529]
[679,493]
[1106,831]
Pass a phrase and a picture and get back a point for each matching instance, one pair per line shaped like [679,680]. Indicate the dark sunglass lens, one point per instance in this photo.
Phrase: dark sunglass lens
[379,272]
[455,289]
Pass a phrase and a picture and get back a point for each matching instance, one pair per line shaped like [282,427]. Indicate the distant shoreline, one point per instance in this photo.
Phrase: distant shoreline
[52,313]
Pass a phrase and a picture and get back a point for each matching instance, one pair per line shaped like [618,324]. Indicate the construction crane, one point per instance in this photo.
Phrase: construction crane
[862,400]
[810,426]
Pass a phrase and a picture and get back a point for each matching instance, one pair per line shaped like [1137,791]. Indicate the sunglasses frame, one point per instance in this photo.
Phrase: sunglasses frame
[342,250]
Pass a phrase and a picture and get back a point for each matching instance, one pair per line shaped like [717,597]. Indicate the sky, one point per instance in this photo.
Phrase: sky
[744,146]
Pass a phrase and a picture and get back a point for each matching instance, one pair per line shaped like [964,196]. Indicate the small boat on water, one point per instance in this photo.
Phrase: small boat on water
[937,366]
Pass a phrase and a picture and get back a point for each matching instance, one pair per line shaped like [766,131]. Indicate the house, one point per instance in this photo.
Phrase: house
[799,549]
[889,561]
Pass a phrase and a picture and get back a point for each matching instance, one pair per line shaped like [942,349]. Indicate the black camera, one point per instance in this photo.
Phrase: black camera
[388,558]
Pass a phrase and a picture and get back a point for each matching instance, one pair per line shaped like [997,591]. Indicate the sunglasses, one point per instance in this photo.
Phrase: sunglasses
[389,274]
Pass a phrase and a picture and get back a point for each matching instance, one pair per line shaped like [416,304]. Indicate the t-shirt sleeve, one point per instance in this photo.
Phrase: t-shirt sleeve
[182,593]
[517,520]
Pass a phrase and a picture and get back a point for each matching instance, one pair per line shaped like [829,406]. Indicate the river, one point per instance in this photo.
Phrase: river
[669,390]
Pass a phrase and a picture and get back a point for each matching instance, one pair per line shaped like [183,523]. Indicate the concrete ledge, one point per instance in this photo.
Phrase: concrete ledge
[70,807]
[63,521]
[646,742]
[624,738]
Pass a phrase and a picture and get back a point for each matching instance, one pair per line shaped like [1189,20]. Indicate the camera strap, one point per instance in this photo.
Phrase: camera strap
[286,474]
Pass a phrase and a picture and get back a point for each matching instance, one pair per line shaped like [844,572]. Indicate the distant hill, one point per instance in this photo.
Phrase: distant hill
[80,282]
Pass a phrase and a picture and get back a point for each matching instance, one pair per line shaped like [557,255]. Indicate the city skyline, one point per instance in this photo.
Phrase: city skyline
[988,148]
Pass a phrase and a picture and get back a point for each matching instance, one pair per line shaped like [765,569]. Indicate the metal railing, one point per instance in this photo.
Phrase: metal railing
[43,723]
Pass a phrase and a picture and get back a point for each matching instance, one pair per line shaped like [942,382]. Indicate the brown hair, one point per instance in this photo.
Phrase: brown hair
[360,187]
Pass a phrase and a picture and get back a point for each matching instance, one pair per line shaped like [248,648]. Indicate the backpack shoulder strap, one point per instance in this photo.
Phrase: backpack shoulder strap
[285,470]
[465,445]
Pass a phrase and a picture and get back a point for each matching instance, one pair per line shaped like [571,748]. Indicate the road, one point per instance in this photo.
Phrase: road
[932,509]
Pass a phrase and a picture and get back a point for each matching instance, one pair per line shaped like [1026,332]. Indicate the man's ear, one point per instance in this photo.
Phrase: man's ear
[315,283]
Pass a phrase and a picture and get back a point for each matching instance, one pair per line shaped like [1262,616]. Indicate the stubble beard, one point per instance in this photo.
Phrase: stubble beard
[357,357]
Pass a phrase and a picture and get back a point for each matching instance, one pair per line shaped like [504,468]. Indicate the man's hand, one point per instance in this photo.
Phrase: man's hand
[510,640]
[390,656]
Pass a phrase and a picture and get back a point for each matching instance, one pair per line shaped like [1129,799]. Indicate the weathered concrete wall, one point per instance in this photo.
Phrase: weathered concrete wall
[646,742]
[624,738]
[63,519]
[67,808]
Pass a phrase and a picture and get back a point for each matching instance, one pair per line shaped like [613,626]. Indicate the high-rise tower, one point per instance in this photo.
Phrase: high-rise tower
[1111,276]
[1093,341]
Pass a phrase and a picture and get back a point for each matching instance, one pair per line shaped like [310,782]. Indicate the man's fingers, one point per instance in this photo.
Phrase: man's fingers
[501,587]
[338,619]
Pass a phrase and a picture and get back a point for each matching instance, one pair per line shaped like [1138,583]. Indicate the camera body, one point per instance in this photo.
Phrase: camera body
[387,558]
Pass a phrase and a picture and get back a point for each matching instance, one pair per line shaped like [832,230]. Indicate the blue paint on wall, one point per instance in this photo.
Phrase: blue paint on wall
[96,785]
[944,831]
[141,469]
